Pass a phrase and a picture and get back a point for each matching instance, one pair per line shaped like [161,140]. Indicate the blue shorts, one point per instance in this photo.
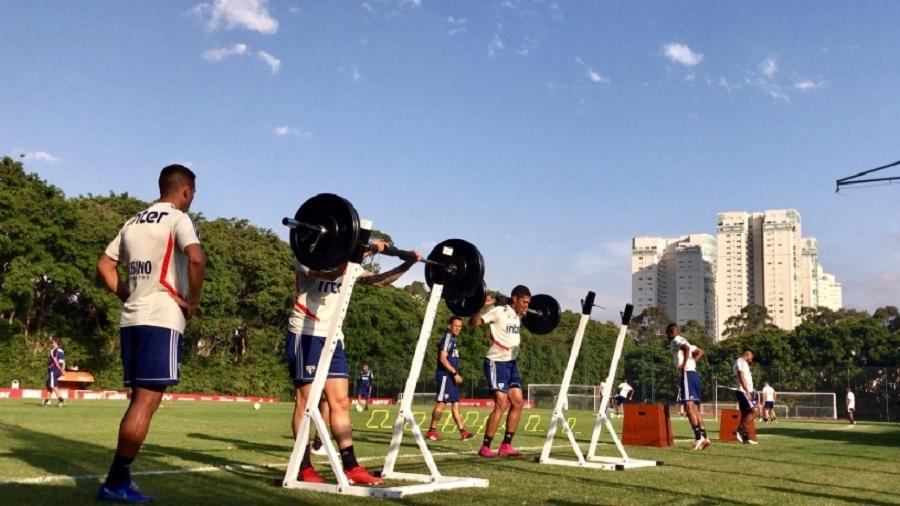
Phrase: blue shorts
[150,355]
[502,376]
[769,405]
[690,387]
[303,358]
[621,399]
[446,388]
[743,402]
[362,389]
[53,375]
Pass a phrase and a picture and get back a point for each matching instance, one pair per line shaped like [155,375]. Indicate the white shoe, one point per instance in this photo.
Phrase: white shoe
[739,436]
[318,451]
[751,442]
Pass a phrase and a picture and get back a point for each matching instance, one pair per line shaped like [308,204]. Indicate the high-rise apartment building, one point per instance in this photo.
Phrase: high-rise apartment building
[676,275]
[763,259]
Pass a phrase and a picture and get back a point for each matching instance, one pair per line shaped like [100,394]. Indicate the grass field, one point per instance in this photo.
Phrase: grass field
[222,453]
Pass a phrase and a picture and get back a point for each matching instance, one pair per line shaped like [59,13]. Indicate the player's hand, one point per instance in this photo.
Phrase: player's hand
[380,245]
[681,367]
[417,255]
[187,308]
[458,379]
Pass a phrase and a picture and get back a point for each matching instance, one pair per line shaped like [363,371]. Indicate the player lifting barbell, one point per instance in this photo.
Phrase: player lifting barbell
[326,235]
[500,368]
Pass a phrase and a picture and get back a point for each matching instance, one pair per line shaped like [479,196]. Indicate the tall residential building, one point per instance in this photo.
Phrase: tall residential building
[763,259]
[676,275]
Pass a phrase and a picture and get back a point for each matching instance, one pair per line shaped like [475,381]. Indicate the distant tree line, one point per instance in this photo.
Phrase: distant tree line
[49,245]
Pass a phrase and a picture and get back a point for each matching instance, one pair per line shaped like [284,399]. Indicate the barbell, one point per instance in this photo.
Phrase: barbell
[541,317]
[326,233]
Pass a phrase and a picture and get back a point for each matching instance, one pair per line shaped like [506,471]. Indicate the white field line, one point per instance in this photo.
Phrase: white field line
[211,469]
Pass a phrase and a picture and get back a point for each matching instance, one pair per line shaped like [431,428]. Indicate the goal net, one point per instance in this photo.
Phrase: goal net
[808,404]
[581,397]
[419,398]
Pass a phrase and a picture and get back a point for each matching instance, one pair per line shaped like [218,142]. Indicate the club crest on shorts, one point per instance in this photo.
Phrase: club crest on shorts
[310,369]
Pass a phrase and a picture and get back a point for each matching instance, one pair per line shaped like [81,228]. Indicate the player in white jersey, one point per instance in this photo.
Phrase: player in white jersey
[851,406]
[500,368]
[314,307]
[626,393]
[684,358]
[768,394]
[744,394]
[165,263]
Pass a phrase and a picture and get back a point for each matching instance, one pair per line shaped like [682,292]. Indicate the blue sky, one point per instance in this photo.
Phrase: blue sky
[547,133]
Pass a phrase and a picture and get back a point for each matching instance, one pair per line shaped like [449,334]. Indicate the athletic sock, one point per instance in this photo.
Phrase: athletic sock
[119,472]
[507,438]
[348,458]
[487,441]
[306,462]
[703,432]
[697,433]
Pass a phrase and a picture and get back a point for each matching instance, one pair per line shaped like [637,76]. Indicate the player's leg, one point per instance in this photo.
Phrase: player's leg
[150,363]
[436,414]
[336,390]
[497,376]
[516,402]
[317,447]
[460,424]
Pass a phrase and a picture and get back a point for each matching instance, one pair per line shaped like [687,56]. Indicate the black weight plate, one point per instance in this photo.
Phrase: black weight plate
[461,274]
[548,314]
[324,252]
[469,305]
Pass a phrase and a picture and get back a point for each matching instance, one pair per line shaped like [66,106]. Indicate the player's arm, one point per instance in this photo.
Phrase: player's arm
[387,277]
[742,378]
[445,363]
[698,353]
[685,351]
[196,271]
[108,269]
[477,319]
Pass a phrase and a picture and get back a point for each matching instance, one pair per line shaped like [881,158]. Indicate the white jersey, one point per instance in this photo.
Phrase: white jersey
[851,401]
[315,305]
[768,394]
[739,367]
[504,333]
[151,247]
[624,389]
[675,346]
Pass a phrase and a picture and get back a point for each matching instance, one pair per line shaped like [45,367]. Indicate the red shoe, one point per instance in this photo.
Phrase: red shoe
[507,450]
[486,452]
[466,435]
[432,435]
[360,476]
[309,475]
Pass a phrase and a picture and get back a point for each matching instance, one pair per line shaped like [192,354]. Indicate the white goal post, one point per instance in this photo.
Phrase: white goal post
[788,404]
[579,397]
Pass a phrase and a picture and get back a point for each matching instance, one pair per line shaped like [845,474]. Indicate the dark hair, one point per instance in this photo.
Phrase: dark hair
[454,318]
[173,177]
[671,326]
[57,340]
[520,291]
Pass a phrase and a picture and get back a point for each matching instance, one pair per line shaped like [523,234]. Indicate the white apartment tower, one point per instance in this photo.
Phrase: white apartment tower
[762,259]
[676,275]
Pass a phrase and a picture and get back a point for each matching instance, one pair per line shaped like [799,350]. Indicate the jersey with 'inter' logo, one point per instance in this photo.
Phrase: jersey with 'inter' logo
[448,344]
[504,322]
[151,246]
[315,305]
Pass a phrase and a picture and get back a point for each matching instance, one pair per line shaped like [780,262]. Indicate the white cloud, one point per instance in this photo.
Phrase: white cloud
[807,85]
[367,6]
[590,73]
[273,63]
[495,46]
[415,4]
[768,87]
[41,157]
[248,14]
[680,53]
[353,73]
[457,25]
[220,53]
[769,66]
[285,131]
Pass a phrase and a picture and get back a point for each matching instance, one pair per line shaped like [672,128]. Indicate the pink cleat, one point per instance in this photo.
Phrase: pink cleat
[507,450]
[486,452]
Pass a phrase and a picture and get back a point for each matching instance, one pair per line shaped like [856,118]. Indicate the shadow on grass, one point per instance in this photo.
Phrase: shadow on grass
[264,448]
[852,499]
[86,465]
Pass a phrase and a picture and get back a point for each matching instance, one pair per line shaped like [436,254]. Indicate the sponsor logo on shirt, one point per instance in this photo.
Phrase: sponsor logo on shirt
[147,217]
[329,287]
